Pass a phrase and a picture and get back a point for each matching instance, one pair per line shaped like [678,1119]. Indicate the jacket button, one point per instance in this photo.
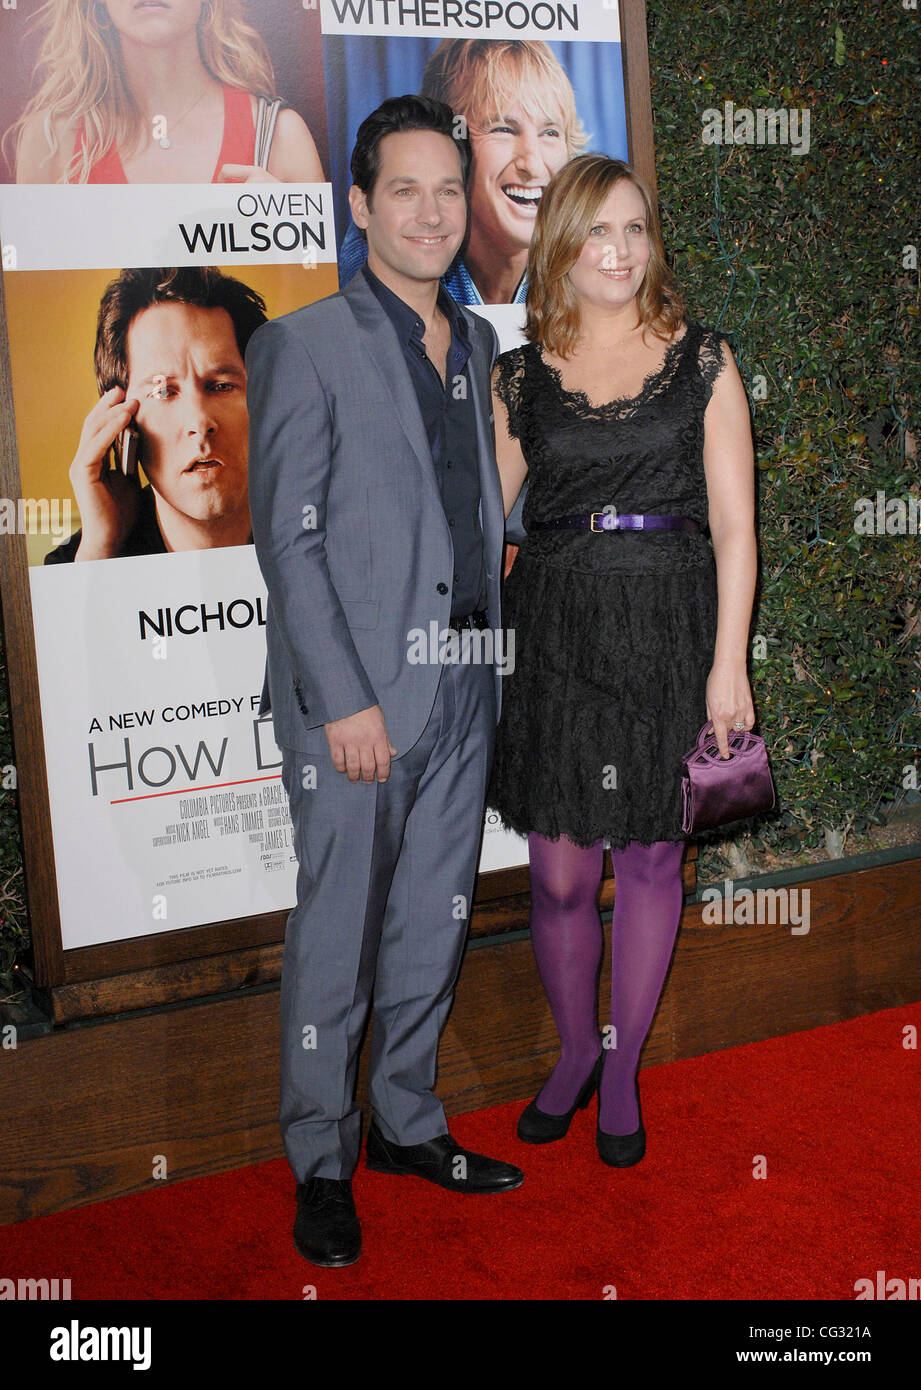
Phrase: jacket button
[442,588]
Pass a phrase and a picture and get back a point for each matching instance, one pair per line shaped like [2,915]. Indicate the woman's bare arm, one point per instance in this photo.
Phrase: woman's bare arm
[294,157]
[729,466]
[512,467]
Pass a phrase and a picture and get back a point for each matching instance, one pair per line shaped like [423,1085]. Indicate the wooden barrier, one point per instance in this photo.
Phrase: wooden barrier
[85,1107]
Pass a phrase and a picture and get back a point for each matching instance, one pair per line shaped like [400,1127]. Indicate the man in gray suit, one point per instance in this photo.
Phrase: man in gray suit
[378,524]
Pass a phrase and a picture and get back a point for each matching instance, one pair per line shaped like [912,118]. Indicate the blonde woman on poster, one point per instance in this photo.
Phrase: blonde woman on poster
[161,91]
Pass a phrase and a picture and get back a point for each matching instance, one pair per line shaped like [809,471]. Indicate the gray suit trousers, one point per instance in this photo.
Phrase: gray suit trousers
[386,873]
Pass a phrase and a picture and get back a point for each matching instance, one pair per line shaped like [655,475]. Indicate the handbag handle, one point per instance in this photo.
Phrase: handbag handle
[266,117]
[706,749]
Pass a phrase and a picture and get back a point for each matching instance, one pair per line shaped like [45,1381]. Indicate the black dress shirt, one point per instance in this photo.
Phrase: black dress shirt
[450,424]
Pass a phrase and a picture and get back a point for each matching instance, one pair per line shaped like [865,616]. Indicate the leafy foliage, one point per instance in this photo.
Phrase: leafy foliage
[800,258]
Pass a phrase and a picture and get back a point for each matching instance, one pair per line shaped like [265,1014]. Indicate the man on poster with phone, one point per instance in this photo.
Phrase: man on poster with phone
[172,398]
[377,516]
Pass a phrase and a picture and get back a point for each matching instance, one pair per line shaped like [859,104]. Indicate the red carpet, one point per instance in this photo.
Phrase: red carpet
[833,1111]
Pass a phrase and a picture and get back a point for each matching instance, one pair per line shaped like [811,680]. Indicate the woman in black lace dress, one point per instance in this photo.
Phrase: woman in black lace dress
[629,634]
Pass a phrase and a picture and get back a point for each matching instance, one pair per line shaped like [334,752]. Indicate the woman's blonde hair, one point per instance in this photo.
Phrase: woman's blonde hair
[80,74]
[480,75]
[567,211]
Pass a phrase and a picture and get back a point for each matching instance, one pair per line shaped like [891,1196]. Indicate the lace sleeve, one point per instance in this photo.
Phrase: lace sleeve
[710,359]
[509,382]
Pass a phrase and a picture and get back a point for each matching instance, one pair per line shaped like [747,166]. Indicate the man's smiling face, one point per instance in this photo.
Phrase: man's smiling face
[185,368]
[515,155]
[416,216]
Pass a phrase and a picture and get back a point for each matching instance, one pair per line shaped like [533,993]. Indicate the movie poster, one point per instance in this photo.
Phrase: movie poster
[174,173]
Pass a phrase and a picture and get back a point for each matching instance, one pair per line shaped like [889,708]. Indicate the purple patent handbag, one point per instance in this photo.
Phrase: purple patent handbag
[716,790]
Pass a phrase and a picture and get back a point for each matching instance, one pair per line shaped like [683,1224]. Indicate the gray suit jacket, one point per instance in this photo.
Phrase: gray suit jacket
[348,524]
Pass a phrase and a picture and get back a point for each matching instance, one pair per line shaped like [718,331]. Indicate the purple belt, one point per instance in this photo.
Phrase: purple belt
[617,521]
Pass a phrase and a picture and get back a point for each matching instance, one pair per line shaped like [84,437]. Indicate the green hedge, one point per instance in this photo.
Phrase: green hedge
[800,259]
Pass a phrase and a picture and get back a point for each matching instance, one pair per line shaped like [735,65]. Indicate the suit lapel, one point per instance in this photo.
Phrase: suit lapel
[382,348]
[384,356]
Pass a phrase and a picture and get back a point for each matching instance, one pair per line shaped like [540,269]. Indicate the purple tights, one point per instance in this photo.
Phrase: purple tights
[567,940]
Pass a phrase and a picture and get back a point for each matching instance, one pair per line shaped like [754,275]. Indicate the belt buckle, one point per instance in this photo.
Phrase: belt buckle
[464,623]
[592,526]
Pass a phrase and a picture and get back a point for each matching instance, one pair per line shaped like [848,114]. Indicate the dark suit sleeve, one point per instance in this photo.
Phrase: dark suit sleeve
[514,526]
[493,349]
[290,448]
[515,533]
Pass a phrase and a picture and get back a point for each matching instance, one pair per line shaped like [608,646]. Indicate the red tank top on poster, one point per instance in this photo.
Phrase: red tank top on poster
[237,147]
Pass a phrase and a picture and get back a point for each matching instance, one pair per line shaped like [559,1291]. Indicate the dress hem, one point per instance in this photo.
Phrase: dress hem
[612,840]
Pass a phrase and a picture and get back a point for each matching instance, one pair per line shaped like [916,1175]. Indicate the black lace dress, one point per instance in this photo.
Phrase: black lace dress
[614,632]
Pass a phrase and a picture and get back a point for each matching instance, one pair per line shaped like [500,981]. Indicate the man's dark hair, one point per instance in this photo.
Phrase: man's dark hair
[398,114]
[136,290]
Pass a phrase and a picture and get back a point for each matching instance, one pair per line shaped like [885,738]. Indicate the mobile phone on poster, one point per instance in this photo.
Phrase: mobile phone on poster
[127,451]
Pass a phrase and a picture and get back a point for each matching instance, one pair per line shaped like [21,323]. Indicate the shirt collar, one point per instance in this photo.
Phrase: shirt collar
[404,317]
[458,282]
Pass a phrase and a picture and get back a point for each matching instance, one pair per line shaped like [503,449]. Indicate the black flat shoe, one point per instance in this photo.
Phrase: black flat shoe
[441,1160]
[326,1229]
[537,1127]
[622,1150]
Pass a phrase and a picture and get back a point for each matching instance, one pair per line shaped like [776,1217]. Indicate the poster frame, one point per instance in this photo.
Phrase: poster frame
[216,957]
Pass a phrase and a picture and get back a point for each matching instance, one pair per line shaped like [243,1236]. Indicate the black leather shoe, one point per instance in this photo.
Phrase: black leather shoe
[622,1150]
[326,1229]
[438,1161]
[537,1127]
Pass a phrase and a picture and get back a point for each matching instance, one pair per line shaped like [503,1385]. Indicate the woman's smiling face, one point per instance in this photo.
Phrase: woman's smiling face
[515,155]
[612,263]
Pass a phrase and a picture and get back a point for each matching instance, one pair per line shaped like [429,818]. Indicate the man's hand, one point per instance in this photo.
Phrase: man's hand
[106,499]
[360,746]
